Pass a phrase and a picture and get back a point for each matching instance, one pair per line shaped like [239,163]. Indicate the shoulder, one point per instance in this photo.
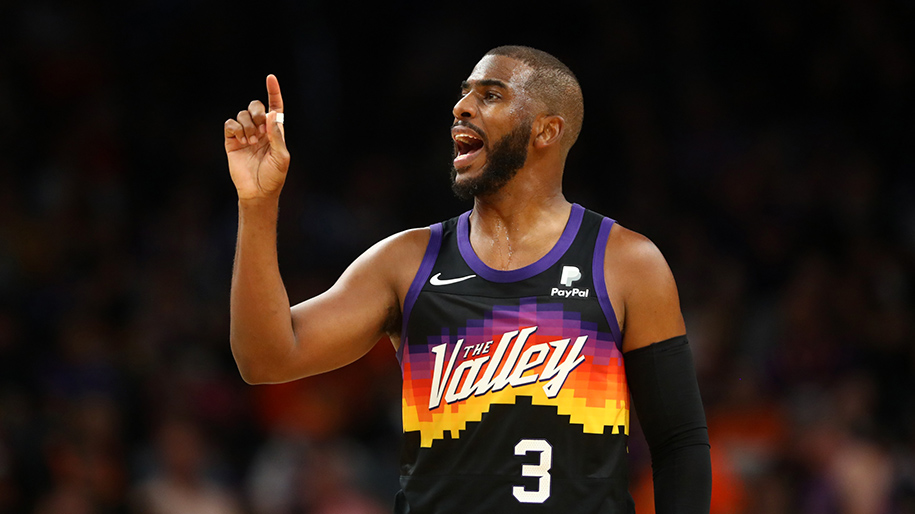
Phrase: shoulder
[402,247]
[404,243]
[643,288]
[398,251]
[633,253]
[398,257]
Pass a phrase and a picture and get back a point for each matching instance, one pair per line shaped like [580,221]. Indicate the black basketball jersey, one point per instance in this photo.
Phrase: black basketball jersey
[514,391]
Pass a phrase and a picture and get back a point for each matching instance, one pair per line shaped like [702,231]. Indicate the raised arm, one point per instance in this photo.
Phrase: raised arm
[660,372]
[271,341]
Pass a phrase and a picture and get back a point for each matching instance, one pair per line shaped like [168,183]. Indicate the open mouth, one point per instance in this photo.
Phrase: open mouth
[467,146]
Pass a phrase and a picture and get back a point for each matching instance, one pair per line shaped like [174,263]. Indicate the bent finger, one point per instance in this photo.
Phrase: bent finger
[244,117]
[233,129]
[230,128]
[258,115]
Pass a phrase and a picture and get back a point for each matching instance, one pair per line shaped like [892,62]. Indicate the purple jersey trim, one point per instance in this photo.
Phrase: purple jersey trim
[494,275]
[600,285]
[425,269]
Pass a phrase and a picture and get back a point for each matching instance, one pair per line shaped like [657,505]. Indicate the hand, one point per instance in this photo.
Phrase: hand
[256,147]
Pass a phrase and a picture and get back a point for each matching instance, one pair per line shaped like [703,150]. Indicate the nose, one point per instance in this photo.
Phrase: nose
[464,108]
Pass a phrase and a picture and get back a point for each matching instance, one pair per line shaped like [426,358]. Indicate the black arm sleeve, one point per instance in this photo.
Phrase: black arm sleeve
[665,393]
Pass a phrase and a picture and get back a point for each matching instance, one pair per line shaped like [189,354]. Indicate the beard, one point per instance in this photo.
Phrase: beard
[503,161]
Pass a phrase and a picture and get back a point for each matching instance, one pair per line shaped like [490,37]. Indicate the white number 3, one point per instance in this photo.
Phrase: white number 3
[540,470]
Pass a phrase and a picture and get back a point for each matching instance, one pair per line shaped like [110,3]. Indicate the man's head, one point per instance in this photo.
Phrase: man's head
[516,97]
[553,84]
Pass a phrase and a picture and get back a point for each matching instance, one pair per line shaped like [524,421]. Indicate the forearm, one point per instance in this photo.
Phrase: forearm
[260,331]
[665,393]
[683,479]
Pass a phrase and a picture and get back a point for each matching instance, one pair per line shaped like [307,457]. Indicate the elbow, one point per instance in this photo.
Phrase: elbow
[252,377]
[261,374]
[258,369]
[251,373]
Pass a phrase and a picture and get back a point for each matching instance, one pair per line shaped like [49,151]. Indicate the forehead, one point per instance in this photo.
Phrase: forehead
[512,72]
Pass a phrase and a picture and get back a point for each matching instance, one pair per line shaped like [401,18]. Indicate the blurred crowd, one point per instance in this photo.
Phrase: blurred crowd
[768,149]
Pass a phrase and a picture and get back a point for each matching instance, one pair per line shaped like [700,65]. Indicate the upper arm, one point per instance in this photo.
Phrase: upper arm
[642,288]
[342,324]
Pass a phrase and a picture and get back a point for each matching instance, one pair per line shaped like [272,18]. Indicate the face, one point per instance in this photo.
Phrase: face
[492,127]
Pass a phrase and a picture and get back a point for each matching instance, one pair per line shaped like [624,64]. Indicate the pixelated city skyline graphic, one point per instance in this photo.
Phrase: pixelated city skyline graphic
[594,394]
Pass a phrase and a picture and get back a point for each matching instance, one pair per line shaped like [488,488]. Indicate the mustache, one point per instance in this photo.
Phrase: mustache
[467,124]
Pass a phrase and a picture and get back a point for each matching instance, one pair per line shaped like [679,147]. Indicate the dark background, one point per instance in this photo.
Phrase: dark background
[766,147]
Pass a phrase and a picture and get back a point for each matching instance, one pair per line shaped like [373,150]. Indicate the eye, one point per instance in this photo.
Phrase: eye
[491,95]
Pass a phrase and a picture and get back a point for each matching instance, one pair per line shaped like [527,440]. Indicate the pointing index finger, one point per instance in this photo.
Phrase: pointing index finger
[274,96]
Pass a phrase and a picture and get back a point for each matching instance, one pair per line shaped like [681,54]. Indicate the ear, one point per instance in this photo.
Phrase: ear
[548,130]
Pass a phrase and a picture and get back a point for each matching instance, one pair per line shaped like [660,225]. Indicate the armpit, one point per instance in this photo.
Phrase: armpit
[393,321]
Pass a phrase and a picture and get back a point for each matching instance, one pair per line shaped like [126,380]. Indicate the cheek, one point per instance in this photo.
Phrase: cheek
[519,112]
[515,111]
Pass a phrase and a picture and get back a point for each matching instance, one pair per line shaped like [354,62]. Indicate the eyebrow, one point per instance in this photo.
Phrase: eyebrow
[485,83]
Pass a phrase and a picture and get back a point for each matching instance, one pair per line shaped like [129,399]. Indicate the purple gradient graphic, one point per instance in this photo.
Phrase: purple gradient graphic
[553,324]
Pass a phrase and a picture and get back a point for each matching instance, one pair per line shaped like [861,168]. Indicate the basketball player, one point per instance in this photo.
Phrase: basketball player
[522,326]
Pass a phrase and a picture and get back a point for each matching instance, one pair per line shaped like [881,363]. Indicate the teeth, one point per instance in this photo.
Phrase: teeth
[466,138]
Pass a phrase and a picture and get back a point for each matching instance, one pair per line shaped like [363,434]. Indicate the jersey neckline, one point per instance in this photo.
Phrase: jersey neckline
[535,268]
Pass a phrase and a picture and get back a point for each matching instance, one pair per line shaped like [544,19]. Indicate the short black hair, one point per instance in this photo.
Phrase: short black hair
[554,84]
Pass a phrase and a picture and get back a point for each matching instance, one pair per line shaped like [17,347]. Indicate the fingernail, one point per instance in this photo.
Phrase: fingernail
[262,129]
[243,140]
[253,140]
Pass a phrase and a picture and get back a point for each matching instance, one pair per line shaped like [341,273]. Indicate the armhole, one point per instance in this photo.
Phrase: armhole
[600,284]
[425,269]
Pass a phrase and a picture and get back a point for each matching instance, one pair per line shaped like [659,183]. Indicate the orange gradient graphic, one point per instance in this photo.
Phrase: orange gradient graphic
[594,395]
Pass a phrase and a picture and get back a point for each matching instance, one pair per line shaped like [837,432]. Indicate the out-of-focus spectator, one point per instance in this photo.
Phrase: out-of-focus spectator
[291,474]
[85,461]
[179,483]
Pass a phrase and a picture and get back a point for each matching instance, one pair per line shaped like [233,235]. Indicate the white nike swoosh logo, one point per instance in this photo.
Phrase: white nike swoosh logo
[435,281]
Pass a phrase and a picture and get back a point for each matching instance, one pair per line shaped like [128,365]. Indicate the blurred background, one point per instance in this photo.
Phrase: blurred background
[767,147]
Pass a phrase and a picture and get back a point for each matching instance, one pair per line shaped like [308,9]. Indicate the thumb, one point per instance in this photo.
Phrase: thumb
[276,132]
[276,138]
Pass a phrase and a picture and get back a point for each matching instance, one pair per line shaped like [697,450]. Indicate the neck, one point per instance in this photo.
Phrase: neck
[519,224]
[515,215]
